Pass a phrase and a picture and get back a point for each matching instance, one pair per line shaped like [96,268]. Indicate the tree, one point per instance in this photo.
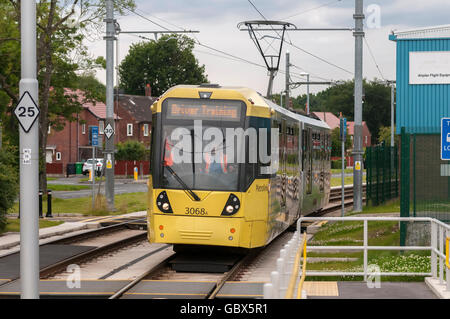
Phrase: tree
[340,98]
[131,151]
[385,136]
[162,64]
[61,28]
[9,181]
[336,148]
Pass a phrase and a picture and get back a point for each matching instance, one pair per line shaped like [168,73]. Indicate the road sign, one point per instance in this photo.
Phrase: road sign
[109,131]
[94,135]
[343,128]
[26,111]
[445,138]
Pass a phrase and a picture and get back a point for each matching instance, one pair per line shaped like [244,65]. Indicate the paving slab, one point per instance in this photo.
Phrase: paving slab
[387,290]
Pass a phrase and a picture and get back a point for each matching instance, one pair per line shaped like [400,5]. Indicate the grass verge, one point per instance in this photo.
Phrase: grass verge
[13,225]
[380,233]
[124,203]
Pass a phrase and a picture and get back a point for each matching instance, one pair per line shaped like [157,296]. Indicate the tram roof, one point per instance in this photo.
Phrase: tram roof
[299,117]
[254,96]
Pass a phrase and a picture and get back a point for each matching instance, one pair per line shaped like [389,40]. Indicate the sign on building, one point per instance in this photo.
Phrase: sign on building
[429,67]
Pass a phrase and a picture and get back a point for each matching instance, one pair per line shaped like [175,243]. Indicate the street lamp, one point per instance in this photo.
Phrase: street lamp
[307,91]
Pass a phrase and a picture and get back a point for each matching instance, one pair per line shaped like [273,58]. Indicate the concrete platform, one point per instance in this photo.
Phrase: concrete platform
[387,290]
[148,289]
[48,255]
[11,241]
[241,289]
[439,289]
[66,289]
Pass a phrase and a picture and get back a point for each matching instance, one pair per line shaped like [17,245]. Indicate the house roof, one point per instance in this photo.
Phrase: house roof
[351,128]
[439,31]
[329,118]
[138,106]
[97,108]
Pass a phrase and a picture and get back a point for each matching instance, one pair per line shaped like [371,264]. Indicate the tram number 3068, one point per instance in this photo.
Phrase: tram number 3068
[195,211]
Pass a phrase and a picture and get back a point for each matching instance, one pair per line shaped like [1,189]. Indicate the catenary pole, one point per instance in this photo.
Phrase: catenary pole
[357,138]
[286,100]
[109,144]
[29,160]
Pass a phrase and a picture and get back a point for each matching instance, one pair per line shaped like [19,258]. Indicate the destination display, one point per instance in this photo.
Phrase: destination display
[203,109]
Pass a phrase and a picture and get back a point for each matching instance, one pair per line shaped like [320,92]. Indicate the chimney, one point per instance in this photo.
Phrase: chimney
[148,90]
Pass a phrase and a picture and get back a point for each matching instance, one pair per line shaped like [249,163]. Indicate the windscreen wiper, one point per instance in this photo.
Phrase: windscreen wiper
[185,187]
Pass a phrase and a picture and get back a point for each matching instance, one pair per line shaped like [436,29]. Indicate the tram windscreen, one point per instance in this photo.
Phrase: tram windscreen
[194,144]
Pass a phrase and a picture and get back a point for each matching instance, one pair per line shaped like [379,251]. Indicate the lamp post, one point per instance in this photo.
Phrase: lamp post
[307,90]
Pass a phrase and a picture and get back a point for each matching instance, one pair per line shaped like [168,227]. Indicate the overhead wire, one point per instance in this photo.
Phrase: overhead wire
[373,58]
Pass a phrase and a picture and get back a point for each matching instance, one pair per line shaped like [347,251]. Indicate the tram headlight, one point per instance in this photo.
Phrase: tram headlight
[162,201]
[231,206]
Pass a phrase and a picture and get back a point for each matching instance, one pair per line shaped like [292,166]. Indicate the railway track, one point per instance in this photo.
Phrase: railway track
[208,285]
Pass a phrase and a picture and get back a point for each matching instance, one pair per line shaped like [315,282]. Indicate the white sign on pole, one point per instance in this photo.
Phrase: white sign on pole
[429,67]
[26,111]
[109,131]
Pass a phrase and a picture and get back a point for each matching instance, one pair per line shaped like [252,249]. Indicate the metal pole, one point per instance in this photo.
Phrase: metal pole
[343,176]
[392,114]
[357,138]
[269,87]
[29,169]
[307,95]
[94,164]
[286,101]
[109,145]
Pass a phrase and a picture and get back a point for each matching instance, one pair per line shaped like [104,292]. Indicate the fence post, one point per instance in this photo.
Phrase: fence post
[365,243]
[441,250]
[405,186]
[49,204]
[433,247]
[275,279]
[268,291]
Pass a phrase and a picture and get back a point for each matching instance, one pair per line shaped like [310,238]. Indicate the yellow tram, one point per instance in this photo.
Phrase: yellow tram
[231,168]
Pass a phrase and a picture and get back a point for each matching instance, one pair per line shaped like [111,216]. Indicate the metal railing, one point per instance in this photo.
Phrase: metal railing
[436,248]
[284,279]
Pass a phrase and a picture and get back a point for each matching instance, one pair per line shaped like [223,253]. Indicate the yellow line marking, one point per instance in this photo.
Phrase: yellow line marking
[61,293]
[94,219]
[85,280]
[162,293]
[232,295]
[193,281]
[247,282]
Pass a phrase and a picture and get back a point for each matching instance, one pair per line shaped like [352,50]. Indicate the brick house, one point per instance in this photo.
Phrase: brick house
[135,118]
[333,122]
[132,117]
[71,144]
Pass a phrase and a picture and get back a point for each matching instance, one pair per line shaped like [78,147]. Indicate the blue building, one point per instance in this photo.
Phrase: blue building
[423,78]
[423,98]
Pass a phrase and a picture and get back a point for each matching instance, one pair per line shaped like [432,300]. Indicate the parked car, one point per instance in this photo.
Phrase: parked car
[87,166]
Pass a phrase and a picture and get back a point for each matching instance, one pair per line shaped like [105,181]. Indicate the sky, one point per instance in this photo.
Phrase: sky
[330,53]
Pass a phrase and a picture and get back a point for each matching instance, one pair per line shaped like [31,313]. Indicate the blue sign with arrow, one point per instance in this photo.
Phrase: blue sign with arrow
[94,135]
[445,139]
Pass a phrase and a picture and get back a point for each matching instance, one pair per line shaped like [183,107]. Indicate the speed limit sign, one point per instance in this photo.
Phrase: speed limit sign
[26,111]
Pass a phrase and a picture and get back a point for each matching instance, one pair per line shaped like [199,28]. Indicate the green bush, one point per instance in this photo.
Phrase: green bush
[337,164]
[9,182]
[131,151]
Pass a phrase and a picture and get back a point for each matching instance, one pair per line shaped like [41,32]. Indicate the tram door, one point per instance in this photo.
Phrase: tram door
[283,159]
[309,160]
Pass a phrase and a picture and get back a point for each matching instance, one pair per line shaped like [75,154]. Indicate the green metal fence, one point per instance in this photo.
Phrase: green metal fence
[425,180]
[382,174]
